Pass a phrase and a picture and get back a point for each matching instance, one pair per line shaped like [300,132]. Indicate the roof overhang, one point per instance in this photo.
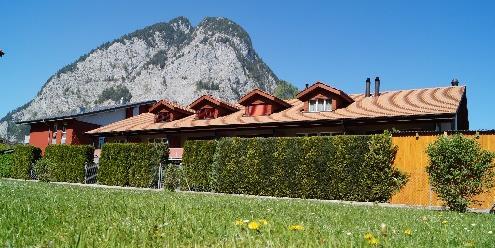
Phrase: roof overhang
[304,94]
[269,97]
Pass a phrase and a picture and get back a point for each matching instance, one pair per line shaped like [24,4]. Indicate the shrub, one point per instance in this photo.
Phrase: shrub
[42,169]
[131,164]
[459,169]
[5,161]
[23,158]
[196,162]
[357,168]
[67,162]
[173,175]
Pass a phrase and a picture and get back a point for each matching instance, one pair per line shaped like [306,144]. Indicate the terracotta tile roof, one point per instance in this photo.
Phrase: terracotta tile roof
[171,105]
[209,98]
[403,103]
[264,94]
[319,85]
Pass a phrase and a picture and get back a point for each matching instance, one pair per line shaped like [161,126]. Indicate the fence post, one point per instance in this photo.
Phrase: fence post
[160,176]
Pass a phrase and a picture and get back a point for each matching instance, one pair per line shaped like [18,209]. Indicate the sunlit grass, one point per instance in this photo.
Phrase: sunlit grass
[41,214]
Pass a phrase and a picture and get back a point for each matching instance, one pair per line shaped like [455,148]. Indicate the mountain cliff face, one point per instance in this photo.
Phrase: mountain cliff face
[166,60]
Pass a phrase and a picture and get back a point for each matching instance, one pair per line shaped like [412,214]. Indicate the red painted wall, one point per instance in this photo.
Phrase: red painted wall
[41,133]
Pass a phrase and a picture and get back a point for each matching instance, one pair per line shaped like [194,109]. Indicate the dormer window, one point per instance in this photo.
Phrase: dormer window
[166,111]
[206,113]
[163,117]
[208,107]
[320,105]
[320,97]
[258,103]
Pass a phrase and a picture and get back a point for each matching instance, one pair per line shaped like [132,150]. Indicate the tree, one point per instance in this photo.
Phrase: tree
[285,90]
[459,169]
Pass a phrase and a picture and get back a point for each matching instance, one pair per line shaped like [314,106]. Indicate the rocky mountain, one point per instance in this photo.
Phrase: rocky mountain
[172,60]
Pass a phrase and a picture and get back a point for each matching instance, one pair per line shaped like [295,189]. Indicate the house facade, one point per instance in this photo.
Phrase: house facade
[319,109]
[71,128]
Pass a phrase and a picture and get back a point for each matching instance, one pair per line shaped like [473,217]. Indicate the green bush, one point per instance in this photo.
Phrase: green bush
[42,169]
[5,161]
[196,163]
[132,164]
[459,169]
[357,168]
[23,159]
[172,177]
[68,161]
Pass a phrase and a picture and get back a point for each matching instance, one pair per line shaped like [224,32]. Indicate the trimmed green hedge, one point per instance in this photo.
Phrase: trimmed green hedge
[23,159]
[356,168]
[132,164]
[6,161]
[68,161]
[196,163]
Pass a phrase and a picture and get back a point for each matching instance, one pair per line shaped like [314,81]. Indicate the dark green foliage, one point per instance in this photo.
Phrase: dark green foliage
[285,90]
[67,162]
[23,158]
[42,169]
[200,85]
[357,168]
[5,160]
[115,93]
[196,162]
[133,164]
[459,169]
[172,177]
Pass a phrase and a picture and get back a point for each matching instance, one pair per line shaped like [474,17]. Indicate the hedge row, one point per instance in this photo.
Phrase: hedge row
[196,163]
[65,163]
[5,160]
[23,159]
[131,164]
[357,168]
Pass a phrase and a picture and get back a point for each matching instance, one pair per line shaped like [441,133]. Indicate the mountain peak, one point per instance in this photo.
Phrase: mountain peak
[167,60]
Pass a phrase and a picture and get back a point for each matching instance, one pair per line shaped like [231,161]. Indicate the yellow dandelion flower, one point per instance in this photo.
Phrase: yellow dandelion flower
[368,236]
[408,232]
[239,222]
[263,222]
[254,225]
[296,228]
[374,241]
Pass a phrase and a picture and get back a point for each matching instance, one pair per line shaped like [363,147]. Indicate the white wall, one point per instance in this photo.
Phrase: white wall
[104,118]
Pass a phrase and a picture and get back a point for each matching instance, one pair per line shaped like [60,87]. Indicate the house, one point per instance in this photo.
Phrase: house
[319,109]
[71,128]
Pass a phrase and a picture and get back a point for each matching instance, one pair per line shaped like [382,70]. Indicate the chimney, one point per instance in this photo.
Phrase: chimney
[455,82]
[377,86]
[367,93]
[307,85]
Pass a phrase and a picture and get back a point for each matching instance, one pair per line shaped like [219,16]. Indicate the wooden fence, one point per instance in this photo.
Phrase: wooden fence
[412,159]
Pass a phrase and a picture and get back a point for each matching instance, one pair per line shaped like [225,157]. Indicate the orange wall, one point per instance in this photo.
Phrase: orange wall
[412,159]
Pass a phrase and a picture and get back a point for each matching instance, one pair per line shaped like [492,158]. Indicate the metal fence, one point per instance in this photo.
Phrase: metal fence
[90,173]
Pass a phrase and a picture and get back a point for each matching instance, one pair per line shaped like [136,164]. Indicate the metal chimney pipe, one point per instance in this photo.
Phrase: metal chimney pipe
[377,86]
[367,93]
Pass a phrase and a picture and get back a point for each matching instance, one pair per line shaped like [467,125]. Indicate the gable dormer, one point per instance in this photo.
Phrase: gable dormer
[208,107]
[320,97]
[166,111]
[258,102]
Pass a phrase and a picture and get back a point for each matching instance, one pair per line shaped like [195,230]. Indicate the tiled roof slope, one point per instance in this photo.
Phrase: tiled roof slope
[417,102]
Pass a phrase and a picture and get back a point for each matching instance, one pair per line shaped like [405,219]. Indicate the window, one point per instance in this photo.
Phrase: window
[101,141]
[163,117]
[64,135]
[320,105]
[54,134]
[206,113]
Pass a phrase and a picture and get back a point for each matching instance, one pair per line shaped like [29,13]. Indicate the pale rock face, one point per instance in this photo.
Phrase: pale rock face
[167,60]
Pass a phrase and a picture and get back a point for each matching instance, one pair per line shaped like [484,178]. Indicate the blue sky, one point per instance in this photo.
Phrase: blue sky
[409,44]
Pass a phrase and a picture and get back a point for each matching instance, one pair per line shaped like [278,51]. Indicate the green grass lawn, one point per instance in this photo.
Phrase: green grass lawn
[41,214]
